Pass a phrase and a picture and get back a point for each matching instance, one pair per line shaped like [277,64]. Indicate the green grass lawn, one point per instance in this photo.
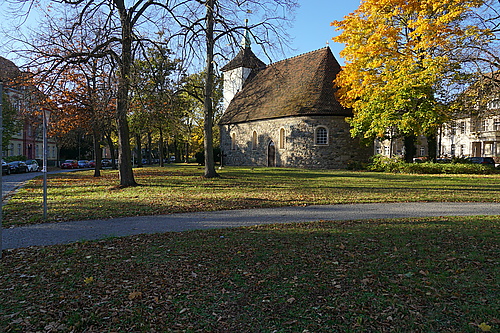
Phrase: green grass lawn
[174,189]
[405,275]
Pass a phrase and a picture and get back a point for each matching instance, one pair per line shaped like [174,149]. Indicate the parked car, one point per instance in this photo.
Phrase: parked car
[18,167]
[69,164]
[92,164]
[106,163]
[5,168]
[83,163]
[33,165]
[482,160]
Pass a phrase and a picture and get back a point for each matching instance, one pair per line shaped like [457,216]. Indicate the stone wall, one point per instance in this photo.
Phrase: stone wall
[299,148]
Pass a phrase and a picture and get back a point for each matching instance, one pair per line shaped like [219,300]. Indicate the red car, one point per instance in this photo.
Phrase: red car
[69,164]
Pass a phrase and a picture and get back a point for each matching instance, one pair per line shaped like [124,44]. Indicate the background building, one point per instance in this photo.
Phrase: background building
[28,142]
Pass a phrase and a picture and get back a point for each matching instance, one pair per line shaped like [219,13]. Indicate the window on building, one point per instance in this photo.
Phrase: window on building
[422,151]
[494,105]
[462,150]
[473,125]
[462,127]
[321,136]
[282,138]
[496,124]
[452,151]
[453,128]
[233,141]
[485,125]
[19,149]
[254,140]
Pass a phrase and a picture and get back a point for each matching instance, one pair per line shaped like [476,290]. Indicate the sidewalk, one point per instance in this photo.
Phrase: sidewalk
[67,232]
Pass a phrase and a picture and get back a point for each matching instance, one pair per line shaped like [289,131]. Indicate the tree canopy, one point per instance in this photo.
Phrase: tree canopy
[400,55]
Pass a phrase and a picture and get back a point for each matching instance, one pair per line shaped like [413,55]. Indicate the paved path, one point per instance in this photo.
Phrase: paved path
[66,232]
[12,182]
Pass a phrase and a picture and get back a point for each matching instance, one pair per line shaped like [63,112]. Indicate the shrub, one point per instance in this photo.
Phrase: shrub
[383,163]
[397,165]
[200,156]
[14,158]
[355,165]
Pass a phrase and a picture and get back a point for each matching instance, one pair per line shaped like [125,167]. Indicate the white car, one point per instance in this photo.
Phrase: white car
[32,165]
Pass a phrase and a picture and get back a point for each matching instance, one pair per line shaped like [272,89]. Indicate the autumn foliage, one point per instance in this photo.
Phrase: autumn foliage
[398,56]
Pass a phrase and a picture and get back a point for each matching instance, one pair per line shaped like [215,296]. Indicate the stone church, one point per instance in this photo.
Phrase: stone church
[285,114]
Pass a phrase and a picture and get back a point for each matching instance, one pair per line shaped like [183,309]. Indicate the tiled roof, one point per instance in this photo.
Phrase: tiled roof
[245,58]
[298,86]
[8,70]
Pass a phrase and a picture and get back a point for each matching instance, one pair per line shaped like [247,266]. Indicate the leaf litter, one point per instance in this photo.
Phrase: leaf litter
[406,275]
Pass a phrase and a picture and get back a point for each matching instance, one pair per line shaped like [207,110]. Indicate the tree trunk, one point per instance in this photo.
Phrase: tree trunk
[111,150]
[410,149]
[150,147]
[432,147]
[160,148]
[139,149]
[208,105]
[122,100]
[97,153]
[177,153]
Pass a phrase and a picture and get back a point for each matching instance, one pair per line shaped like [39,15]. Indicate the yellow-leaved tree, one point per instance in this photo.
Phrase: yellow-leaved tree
[398,57]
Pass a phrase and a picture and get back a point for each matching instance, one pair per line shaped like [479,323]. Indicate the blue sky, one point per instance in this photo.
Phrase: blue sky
[312,25]
[311,28]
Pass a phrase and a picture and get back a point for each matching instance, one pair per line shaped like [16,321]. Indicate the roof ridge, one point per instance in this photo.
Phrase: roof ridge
[297,56]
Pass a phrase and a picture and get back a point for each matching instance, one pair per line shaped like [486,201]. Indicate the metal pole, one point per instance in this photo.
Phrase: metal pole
[44,170]
[1,184]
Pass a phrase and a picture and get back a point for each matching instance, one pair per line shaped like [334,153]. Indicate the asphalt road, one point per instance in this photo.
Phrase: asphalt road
[13,181]
[67,232]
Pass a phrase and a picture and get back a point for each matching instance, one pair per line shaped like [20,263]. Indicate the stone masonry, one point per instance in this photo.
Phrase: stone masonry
[297,148]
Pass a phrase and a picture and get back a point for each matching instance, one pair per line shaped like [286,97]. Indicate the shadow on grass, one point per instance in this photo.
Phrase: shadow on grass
[413,275]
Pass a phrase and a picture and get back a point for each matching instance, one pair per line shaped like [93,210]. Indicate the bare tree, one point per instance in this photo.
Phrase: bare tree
[210,30]
[481,52]
[64,40]
[207,25]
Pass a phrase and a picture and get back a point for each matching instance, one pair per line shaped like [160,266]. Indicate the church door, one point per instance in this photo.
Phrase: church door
[271,155]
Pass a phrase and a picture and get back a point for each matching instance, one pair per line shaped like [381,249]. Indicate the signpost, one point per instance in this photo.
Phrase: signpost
[46,116]
[1,184]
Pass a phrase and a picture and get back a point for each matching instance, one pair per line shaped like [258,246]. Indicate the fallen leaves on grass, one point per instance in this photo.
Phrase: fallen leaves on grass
[416,275]
[80,196]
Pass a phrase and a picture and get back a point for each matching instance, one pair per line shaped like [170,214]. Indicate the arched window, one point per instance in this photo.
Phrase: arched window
[233,141]
[321,136]
[254,140]
[282,138]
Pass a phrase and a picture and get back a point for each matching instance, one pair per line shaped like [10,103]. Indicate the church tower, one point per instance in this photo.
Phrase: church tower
[239,69]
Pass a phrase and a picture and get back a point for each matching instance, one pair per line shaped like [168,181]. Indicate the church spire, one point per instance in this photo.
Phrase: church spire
[245,42]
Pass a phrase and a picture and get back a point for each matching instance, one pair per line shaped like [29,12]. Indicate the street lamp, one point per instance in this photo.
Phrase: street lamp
[46,116]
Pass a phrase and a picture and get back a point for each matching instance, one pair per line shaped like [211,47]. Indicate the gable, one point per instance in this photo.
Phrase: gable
[298,86]
[8,70]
